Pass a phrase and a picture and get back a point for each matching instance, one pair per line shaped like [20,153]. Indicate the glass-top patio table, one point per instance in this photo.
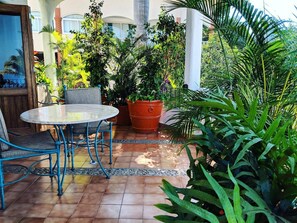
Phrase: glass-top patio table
[70,114]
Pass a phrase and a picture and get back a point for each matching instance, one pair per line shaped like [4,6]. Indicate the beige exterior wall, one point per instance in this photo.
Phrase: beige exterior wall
[34,5]
[37,42]
[114,11]
[72,7]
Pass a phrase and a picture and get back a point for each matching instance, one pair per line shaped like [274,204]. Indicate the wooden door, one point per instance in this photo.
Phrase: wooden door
[17,80]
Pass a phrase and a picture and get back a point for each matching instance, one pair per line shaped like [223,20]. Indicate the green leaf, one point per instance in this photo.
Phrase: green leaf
[250,218]
[240,105]
[246,148]
[268,147]
[202,183]
[245,174]
[165,218]
[274,125]
[292,163]
[240,164]
[252,112]
[240,140]
[236,198]
[192,208]
[229,133]
[223,197]
[202,196]
[166,207]
[280,133]
[211,104]
[262,120]
[168,187]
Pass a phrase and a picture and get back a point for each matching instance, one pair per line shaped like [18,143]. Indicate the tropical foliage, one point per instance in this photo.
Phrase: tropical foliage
[168,37]
[41,78]
[259,64]
[71,69]
[126,58]
[150,79]
[95,42]
[261,154]
[214,72]
[162,67]
[247,137]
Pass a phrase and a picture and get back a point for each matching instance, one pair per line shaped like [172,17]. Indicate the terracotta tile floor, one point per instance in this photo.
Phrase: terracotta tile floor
[120,199]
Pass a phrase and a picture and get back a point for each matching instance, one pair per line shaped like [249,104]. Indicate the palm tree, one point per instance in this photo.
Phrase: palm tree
[260,70]
[260,64]
[15,64]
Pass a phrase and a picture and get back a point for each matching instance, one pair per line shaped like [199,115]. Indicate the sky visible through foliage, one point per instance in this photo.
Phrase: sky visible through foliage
[284,9]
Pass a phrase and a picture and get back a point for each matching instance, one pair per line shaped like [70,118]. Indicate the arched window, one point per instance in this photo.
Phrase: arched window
[36,22]
[72,23]
[120,30]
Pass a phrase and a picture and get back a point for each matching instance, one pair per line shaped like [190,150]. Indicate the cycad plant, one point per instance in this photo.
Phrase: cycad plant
[260,152]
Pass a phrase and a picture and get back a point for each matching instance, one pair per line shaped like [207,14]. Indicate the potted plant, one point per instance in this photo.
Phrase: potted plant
[145,105]
[127,56]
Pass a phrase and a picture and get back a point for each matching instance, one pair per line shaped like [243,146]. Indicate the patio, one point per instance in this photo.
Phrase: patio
[140,162]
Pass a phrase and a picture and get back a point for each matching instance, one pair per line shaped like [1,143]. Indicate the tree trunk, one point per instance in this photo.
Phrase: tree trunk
[141,14]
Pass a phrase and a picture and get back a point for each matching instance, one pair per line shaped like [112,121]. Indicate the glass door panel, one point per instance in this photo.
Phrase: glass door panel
[12,65]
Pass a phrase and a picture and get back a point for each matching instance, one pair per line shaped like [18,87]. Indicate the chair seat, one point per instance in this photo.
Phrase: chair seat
[81,128]
[38,141]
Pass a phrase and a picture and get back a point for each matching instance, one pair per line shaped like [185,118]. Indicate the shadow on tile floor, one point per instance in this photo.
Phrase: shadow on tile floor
[123,198]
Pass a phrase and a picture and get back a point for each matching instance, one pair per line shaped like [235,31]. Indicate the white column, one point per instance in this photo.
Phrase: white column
[47,8]
[193,49]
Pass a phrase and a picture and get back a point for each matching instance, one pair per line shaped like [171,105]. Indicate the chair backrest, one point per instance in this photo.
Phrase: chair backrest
[83,96]
[3,133]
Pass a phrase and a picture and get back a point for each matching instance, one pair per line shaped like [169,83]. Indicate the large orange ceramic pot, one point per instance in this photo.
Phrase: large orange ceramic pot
[145,115]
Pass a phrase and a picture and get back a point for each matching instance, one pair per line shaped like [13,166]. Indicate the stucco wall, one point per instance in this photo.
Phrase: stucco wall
[70,7]
[116,8]
[114,11]
[34,5]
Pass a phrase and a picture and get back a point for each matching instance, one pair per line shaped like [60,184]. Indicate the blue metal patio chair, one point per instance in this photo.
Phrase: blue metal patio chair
[88,96]
[39,144]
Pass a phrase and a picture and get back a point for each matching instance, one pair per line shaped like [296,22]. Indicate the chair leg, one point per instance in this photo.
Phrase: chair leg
[89,150]
[102,141]
[98,159]
[60,189]
[69,132]
[50,165]
[71,148]
[2,186]
[110,144]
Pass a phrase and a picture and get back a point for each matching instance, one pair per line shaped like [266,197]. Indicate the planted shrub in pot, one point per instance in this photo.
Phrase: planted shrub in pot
[127,56]
[145,105]
[95,42]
